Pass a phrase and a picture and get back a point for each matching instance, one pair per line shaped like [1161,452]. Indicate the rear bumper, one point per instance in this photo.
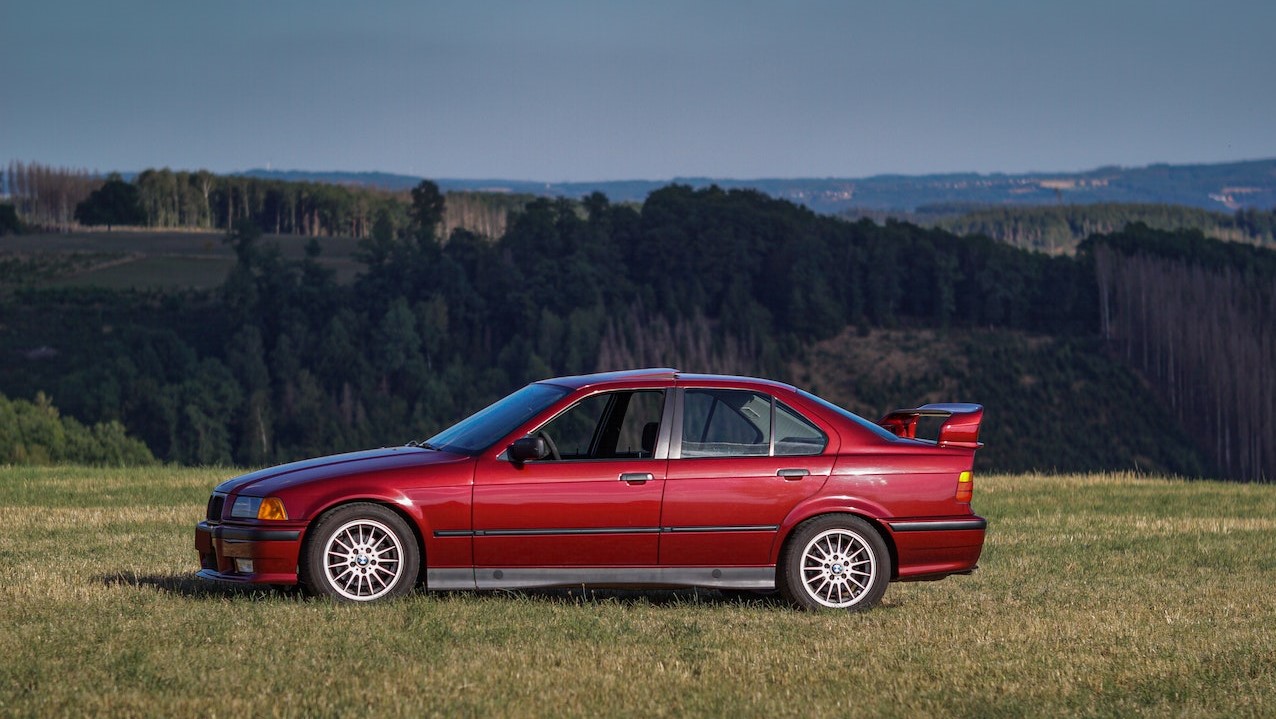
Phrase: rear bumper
[273,553]
[934,548]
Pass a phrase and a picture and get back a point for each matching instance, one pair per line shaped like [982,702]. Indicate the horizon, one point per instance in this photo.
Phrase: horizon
[760,178]
[98,172]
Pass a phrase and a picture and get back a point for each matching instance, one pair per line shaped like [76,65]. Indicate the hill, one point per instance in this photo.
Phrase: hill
[1218,186]
[285,359]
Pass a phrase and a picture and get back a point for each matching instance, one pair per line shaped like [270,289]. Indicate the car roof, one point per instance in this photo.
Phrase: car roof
[585,380]
[657,373]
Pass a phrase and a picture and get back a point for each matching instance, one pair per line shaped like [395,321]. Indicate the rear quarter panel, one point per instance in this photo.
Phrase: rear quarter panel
[899,481]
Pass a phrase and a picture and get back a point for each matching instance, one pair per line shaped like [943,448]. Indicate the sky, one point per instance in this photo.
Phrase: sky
[646,89]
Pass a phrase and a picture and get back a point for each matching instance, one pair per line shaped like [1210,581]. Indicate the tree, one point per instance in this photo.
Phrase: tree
[427,210]
[34,433]
[114,203]
[45,196]
[9,221]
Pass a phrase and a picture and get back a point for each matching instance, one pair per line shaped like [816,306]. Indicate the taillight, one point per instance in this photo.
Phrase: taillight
[965,486]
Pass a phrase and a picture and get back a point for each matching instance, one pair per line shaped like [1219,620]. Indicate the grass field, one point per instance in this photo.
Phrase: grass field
[1097,596]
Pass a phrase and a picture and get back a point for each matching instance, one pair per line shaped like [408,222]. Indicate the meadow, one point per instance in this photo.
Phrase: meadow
[1098,595]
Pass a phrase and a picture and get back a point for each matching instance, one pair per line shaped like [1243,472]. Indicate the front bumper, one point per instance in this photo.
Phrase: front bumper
[274,552]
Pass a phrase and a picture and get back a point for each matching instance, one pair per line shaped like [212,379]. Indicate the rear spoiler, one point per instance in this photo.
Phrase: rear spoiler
[961,429]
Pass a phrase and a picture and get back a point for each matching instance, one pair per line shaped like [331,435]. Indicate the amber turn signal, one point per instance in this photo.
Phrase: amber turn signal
[272,508]
[965,486]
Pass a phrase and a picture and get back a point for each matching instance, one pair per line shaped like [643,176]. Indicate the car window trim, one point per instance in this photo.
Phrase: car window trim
[662,436]
[675,424]
[775,404]
[770,450]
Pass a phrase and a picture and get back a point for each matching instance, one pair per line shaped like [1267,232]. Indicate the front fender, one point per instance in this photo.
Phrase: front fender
[397,501]
[438,514]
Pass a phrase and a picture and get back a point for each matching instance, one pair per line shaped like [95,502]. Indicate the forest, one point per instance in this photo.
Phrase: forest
[282,361]
[1197,319]
[1059,229]
[60,199]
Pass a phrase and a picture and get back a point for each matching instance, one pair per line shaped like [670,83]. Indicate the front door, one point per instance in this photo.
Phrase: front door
[594,501]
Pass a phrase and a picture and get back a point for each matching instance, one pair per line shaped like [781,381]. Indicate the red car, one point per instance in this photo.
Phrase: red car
[644,478]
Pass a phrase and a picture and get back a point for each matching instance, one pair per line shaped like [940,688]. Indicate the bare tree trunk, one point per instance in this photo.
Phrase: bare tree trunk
[1206,338]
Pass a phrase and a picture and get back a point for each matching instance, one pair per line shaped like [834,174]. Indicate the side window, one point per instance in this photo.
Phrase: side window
[616,425]
[573,431]
[725,423]
[640,425]
[794,434]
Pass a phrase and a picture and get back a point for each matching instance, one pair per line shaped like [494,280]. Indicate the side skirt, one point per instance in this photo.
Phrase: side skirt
[541,577]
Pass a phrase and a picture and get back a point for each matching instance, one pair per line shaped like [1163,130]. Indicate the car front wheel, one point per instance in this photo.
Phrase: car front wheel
[836,561]
[361,553]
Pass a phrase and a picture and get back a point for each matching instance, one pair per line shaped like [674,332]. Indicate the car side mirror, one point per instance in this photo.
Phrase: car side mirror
[527,448]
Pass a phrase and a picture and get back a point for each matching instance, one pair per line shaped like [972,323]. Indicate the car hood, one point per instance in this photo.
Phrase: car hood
[265,481]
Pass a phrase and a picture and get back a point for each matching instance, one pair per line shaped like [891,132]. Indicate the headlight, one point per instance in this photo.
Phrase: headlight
[258,508]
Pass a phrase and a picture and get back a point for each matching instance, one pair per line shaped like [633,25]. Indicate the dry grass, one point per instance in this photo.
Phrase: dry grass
[1098,596]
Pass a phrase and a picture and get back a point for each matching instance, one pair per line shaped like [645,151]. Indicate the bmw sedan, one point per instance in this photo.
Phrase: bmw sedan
[643,478]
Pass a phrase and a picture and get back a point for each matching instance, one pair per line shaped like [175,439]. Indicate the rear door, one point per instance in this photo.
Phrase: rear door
[739,462]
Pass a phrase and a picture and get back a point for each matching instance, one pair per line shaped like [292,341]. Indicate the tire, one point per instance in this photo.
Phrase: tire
[361,553]
[835,561]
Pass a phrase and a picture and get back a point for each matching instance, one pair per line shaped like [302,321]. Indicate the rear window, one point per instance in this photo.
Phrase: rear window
[876,429]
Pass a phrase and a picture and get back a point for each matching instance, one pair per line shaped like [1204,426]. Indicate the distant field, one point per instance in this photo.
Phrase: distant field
[1097,596]
[162,260]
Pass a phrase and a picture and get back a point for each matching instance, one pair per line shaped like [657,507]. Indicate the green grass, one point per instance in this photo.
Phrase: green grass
[1097,596]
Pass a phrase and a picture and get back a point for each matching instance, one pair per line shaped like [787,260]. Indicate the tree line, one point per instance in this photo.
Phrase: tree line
[62,199]
[1060,228]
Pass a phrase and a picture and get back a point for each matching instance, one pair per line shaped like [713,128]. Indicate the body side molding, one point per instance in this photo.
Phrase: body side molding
[946,525]
[601,530]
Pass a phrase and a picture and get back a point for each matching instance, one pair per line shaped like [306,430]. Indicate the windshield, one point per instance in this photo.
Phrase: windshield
[874,428]
[478,431]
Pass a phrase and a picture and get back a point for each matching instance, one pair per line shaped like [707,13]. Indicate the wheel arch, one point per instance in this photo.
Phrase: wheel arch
[850,507]
[413,524]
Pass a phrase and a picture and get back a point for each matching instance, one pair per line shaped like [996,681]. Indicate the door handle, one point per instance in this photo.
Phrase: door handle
[792,474]
[636,477]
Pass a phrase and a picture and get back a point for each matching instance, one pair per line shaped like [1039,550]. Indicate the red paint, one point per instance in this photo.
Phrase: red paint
[570,496]
[719,492]
[481,510]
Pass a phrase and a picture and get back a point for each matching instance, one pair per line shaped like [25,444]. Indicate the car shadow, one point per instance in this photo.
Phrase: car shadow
[649,597]
[188,585]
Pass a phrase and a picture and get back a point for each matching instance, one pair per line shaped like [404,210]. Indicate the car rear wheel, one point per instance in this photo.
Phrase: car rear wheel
[361,553]
[836,561]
